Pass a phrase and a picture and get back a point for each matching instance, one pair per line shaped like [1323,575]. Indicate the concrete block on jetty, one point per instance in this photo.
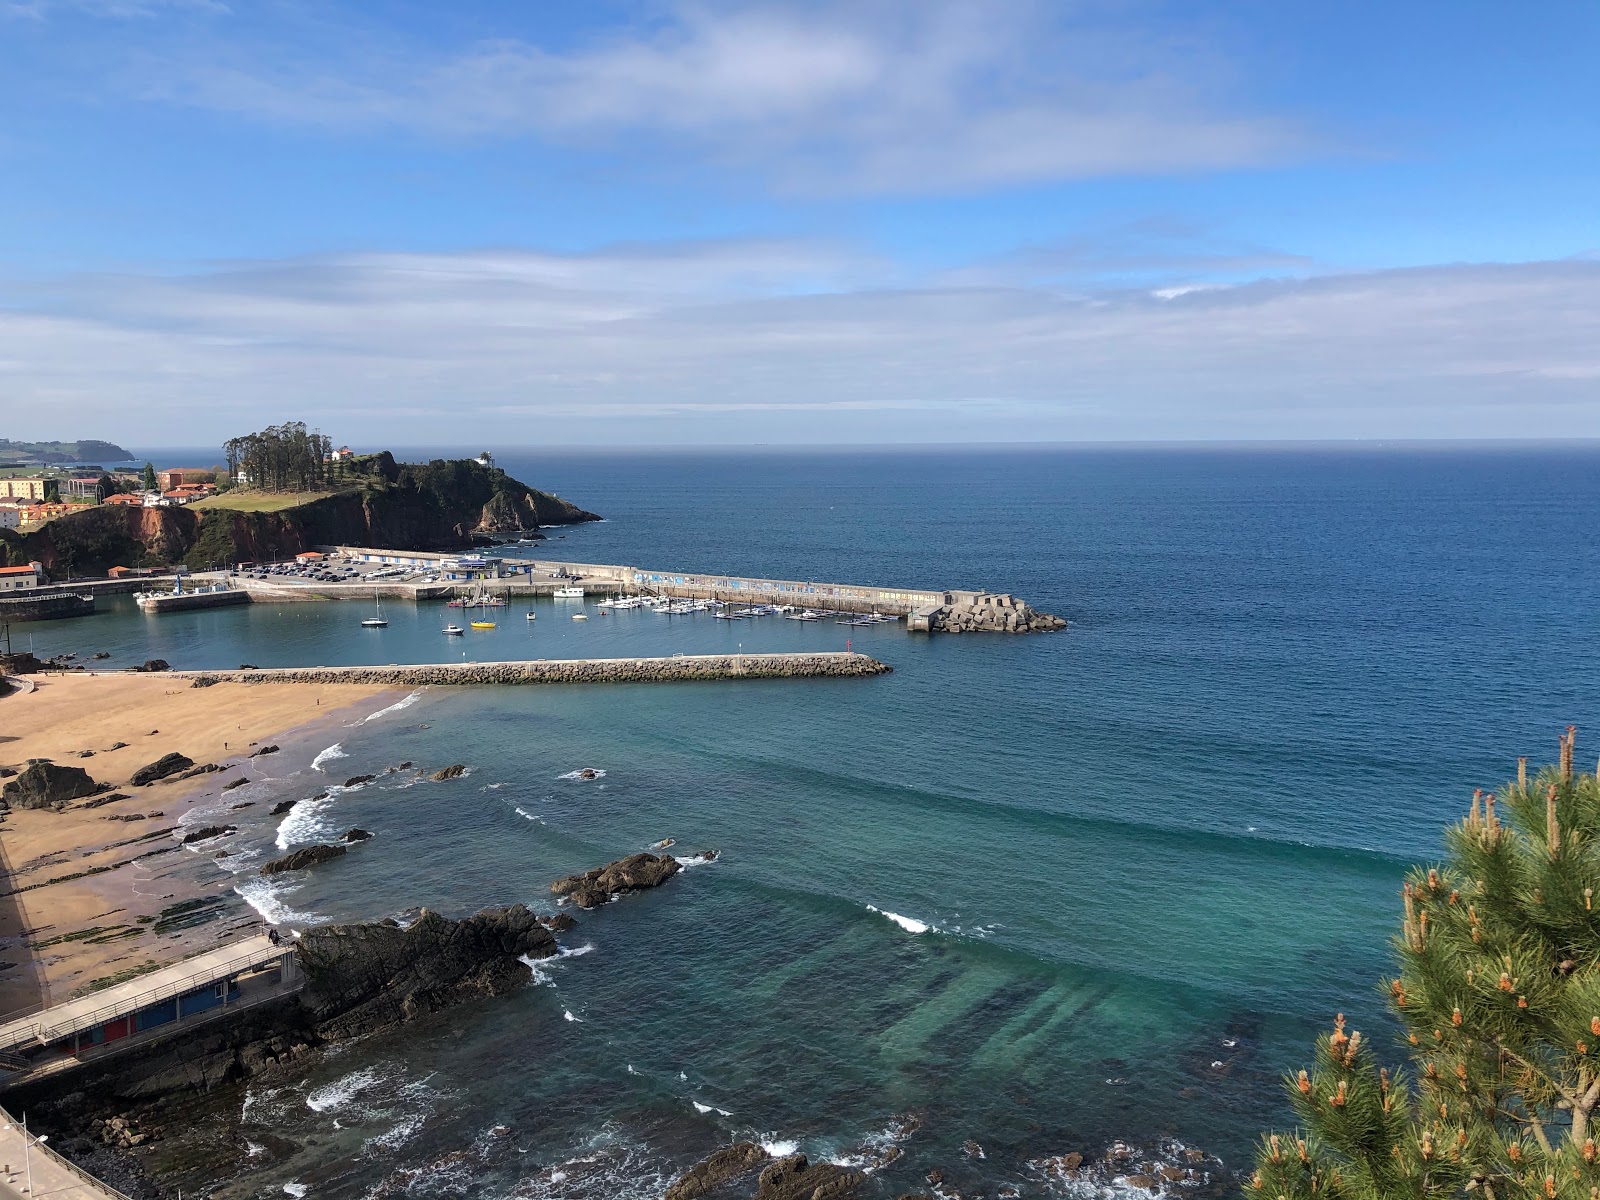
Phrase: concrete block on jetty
[677,669]
[985,612]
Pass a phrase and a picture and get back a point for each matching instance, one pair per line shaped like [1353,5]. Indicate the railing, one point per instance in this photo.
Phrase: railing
[48,1033]
[35,1146]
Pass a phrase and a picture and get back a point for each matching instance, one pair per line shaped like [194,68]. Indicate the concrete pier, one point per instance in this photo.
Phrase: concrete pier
[677,669]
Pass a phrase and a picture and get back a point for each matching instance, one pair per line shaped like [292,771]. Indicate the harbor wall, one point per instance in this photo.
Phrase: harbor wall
[46,606]
[678,668]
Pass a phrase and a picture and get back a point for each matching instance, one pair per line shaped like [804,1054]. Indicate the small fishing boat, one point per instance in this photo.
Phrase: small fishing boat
[453,630]
[569,593]
[482,624]
[532,617]
[580,616]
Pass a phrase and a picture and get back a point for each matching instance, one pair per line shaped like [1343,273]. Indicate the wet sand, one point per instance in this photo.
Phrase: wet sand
[62,929]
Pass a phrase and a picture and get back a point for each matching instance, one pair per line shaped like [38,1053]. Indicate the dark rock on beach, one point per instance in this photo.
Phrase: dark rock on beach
[44,784]
[632,874]
[307,856]
[358,780]
[717,1170]
[154,664]
[166,765]
[263,750]
[365,977]
[206,769]
[234,783]
[455,770]
[281,807]
[207,832]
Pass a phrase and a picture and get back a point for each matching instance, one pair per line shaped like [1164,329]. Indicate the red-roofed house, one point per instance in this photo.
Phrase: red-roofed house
[15,579]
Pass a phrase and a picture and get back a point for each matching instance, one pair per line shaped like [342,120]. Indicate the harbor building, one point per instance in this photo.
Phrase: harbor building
[19,579]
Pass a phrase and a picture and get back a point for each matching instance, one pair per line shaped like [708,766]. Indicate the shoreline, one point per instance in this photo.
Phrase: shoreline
[104,889]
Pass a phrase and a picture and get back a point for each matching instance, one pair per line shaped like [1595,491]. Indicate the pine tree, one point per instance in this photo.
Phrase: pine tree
[1498,991]
[149,479]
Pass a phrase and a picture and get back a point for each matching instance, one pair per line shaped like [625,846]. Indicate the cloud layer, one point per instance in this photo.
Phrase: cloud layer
[774,341]
[876,97]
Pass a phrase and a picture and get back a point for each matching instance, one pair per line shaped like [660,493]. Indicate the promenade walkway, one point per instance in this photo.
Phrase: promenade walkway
[30,1170]
[74,1016]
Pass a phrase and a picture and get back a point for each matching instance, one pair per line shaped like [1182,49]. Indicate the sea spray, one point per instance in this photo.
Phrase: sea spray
[909,924]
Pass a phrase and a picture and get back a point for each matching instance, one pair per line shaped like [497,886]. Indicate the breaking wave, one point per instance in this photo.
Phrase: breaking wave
[332,752]
[405,702]
[909,924]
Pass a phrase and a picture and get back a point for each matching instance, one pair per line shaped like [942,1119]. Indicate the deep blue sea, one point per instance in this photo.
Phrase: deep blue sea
[1044,892]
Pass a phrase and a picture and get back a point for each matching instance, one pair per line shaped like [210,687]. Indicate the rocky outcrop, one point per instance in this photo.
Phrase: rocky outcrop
[796,1178]
[358,780]
[989,613]
[632,874]
[356,835]
[207,832]
[166,765]
[306,856]
[688,668]
[453,771]
[717,1171]
[281,807]
[366,977]
[44,784]
[152,665]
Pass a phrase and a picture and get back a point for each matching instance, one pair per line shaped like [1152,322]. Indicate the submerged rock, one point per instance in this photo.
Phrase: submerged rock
[234,783]
[167,764]
[365,977]
[716,1170]
[358,780]
[559,923]
[44,784]
[356,835]
[307,856]
[632,874]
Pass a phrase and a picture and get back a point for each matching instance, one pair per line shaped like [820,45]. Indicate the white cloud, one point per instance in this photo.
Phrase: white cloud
[741,342]
[921,96]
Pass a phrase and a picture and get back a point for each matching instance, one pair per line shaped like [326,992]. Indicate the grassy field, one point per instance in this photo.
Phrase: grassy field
[249,500]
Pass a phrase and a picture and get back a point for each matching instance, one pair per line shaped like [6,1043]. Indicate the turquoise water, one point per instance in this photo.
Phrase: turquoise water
[1151,854]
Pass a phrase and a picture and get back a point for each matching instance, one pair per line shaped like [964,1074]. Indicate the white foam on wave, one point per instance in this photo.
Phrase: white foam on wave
[331,1097]
[332,752]
[909,924]
[526,815]
[267,898]
[404,702]
[398,1136]
[779,1148]
[579,774]
[695,860]
[295,1189]
[304,823]
[702,1109]
[567,1013]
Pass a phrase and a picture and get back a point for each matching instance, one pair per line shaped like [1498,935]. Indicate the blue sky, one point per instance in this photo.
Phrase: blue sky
[721,222]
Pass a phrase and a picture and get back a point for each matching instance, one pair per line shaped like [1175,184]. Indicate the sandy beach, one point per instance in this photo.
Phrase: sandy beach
[102,890]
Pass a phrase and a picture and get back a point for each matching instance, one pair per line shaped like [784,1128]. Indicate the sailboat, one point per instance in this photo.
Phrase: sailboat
[376,621]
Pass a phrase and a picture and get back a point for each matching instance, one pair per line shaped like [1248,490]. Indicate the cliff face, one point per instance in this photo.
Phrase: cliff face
[425,506]
[92,541]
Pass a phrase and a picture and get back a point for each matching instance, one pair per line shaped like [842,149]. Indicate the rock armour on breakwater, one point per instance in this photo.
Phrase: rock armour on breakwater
[992,614]
[592,670]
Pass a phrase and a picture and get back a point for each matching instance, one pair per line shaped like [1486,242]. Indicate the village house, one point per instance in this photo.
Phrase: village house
[177,477]
[133,499]
[16,579]
[10,516]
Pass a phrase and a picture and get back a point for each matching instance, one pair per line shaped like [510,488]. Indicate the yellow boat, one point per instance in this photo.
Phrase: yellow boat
[483,624]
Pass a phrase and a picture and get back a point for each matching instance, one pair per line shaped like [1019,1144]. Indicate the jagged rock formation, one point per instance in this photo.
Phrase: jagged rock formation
[989,613]
[205,833]
[167,764]
[632,874]
[366,977]
[306,856]
[717,1170]
[796,1178]
[453,771]
[44,784]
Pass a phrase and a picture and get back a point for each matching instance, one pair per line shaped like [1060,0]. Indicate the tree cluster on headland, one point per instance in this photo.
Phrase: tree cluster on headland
[282,458]
[1498,994]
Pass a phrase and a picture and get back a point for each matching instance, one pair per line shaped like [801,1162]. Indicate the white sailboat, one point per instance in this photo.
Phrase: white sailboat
[376,621]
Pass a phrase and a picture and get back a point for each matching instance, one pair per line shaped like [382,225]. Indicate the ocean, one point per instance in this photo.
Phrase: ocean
[1037,894]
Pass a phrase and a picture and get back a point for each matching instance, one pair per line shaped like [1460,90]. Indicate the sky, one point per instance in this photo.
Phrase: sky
[640,223]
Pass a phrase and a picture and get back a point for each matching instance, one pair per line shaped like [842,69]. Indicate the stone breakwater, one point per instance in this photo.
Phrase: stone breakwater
[679,668]
[990,613]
